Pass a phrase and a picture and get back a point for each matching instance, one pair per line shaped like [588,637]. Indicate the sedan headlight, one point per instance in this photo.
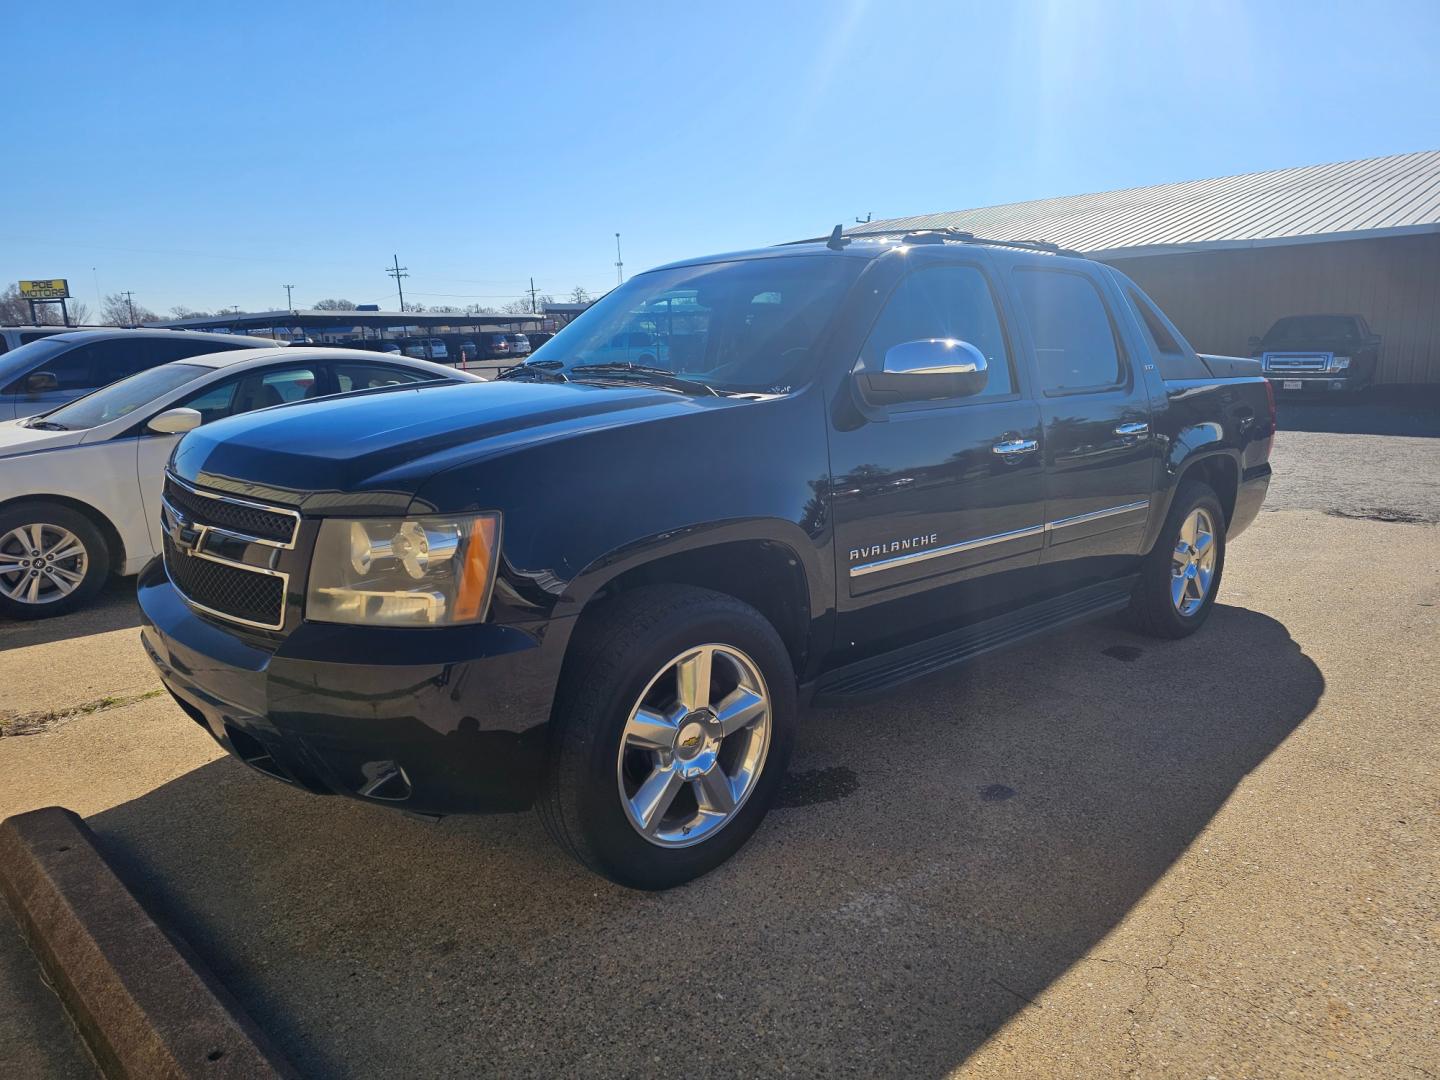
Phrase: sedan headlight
[421,571]
[1339,363]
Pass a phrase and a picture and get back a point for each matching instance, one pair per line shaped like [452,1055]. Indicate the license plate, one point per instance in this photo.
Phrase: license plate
[1292,384]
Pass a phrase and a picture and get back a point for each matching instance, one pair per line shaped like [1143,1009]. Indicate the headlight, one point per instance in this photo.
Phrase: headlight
[1339,363]
[422,571]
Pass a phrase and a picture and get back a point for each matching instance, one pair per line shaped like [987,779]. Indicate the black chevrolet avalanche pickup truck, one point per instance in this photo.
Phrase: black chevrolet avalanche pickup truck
[606,588]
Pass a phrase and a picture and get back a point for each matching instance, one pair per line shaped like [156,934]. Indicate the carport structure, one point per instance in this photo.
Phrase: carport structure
[1226,257]
[367,325]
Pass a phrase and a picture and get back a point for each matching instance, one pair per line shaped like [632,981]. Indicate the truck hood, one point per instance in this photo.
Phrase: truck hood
[371,452]
[16,438]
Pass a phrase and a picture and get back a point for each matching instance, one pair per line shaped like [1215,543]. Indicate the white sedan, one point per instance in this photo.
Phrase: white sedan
[80,485]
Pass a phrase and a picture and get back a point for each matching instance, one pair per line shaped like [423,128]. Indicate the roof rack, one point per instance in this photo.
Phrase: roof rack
[940,236]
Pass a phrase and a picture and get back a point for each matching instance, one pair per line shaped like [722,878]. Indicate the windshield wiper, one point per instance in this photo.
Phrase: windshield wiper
[644,371]
[540,369]
[47,425]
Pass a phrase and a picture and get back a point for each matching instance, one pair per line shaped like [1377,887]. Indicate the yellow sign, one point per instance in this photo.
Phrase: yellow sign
[53,289]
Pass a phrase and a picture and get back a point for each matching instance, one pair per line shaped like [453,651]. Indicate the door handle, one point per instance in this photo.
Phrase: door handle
[1132,429]
[1009,447]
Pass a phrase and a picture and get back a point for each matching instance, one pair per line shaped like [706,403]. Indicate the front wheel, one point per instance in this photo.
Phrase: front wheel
[672,733]
[52,560]
[1181,575]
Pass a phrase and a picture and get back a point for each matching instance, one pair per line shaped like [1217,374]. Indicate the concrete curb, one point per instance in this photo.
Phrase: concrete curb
[144,1003]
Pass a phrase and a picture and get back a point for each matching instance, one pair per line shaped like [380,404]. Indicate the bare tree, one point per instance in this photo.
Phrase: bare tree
[120,310]
[579,295]
[523,307]
[333,305]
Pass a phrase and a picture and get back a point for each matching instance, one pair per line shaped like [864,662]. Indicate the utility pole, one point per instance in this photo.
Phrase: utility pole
[397,272]
[289,306]
[619,263]
[532,296]
[130,302]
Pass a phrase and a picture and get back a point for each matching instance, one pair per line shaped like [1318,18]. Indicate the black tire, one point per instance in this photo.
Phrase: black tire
[1153,609]
[96,559]
[614,659]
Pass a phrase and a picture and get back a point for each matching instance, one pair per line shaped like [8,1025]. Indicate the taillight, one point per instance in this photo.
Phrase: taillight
[1274,416]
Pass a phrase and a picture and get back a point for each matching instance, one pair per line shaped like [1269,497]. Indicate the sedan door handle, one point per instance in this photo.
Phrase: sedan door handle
[1016,446]
[1132,429]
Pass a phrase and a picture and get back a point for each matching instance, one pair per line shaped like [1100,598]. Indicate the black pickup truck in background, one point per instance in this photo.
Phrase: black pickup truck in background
[606,588]
[1308,353]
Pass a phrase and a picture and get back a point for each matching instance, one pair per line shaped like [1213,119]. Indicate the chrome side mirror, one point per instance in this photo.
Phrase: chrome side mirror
[926,370]
[175,421]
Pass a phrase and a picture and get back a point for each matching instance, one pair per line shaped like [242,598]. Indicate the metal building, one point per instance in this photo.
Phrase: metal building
[1227,257]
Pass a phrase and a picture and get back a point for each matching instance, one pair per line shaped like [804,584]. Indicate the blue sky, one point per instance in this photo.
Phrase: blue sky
[204,154]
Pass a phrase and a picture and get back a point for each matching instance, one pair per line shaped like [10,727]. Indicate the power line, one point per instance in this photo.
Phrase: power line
[397,272]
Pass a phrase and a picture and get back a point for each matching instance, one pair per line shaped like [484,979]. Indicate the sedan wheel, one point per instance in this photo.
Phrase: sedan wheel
[41,563]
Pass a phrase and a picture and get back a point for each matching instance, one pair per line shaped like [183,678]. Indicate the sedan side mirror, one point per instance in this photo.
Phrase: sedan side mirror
[175,421]
[926,370]
[38,382]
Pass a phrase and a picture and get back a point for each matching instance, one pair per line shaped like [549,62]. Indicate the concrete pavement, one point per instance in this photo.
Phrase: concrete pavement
[1098,855]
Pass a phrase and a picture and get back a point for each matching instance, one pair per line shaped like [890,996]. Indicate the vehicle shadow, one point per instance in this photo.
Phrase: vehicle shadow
[114,608]
[944,853]
[1382,410]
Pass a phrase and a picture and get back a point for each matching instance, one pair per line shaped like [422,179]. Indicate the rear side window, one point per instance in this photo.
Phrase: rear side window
[1075,345]
[944,302]
[1174,358]
[364,376]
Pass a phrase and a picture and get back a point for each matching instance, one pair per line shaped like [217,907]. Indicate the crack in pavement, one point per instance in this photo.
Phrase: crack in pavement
[13,725]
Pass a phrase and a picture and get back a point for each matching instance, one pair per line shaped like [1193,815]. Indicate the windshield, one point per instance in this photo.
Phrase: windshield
[21,361]
[123,397]
[1310,330]
[739,327]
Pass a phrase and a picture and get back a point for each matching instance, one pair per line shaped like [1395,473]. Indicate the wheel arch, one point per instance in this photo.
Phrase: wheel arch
[114,544]
[754,562]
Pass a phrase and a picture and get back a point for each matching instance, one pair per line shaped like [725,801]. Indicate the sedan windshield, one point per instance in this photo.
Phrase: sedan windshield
[739,327]
[123,397]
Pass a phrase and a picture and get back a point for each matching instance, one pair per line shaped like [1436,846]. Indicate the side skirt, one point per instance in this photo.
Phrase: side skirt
[960,646]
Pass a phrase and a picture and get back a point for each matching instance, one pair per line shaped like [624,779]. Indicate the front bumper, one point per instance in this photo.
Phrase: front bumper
[1312,383]
[439,721]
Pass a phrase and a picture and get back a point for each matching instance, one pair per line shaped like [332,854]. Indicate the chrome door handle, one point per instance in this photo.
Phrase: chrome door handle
[1132,429]
[1016,446]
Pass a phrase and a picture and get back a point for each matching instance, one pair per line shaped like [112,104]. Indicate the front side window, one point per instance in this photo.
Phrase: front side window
[74,369]
[943,302]
[738,327]
[1075,346]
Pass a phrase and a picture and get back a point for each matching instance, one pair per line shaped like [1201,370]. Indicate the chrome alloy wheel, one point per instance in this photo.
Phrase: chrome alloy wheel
[41,563]
[694,745]
[1192,566]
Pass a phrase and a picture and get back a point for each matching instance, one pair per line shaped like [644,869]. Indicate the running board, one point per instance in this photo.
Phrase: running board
[963,645]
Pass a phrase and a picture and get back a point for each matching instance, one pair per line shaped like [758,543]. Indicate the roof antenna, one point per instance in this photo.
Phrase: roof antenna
[838,239]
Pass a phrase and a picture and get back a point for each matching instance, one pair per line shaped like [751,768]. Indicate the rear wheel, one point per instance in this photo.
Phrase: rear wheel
[1181,576]
[672,734]
[52,560]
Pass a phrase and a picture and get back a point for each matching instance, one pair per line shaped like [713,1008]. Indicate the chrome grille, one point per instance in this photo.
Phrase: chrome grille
[1296,362]
[266,524]
[227,589]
